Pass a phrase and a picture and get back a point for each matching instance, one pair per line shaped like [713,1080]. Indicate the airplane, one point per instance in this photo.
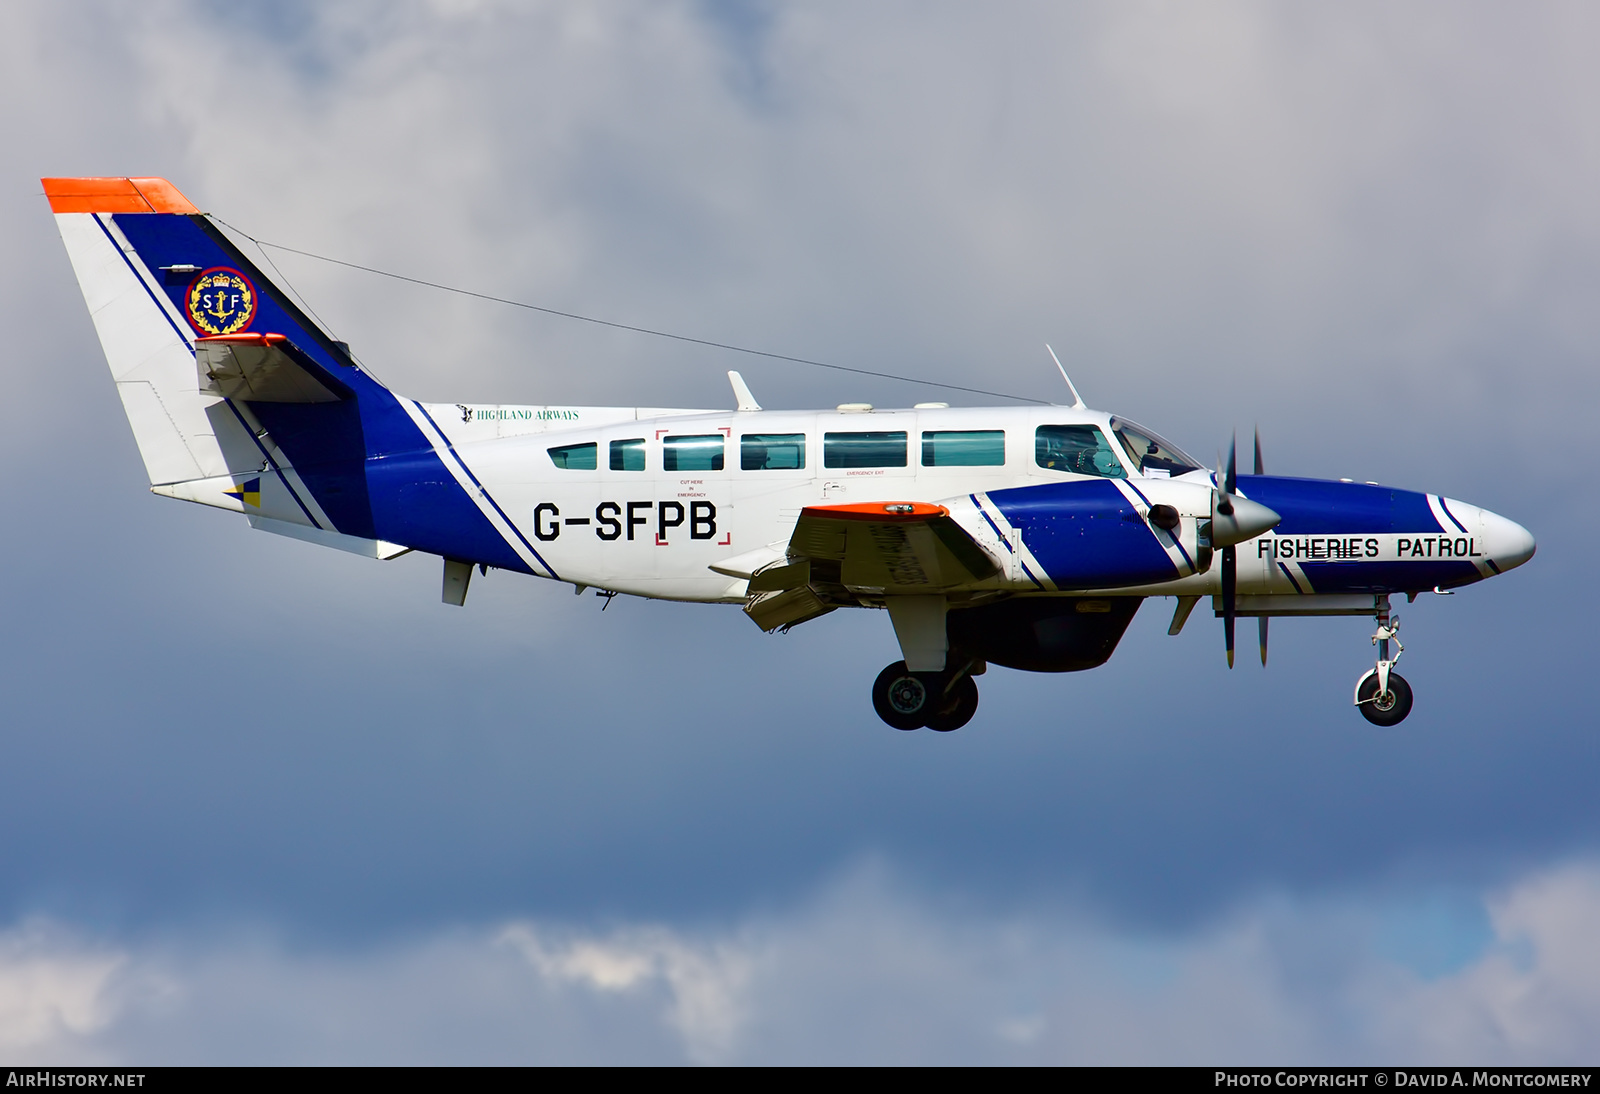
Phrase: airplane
[1024,537]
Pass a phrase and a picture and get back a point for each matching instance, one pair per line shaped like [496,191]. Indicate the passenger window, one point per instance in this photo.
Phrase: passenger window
[864,449]
[576,457]
[697,453]
[1080,449]
[772,452]
[628,455]
[964,448]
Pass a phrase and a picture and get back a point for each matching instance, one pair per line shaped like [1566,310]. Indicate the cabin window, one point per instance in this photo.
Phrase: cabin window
[576,457]
[1080,449]
[964,448]
[883,449]
[1152,454]
[692,453]
[772,452]
[628,455]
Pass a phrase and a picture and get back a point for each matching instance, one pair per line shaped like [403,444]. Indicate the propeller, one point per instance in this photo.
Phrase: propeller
[1233,520]
[1261,620]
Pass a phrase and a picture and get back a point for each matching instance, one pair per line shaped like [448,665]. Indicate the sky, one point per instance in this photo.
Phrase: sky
[265,803]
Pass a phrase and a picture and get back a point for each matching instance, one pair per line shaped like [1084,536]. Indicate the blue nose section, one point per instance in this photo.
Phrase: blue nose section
[1339,537]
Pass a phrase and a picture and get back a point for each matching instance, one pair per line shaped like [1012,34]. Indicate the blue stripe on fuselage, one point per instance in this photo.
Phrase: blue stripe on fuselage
[1389,577]
[1321,507]
[1085,534]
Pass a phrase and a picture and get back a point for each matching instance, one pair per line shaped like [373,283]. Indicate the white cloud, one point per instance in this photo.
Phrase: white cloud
[1536,996]
[706,982]
[866,971]
[52,987]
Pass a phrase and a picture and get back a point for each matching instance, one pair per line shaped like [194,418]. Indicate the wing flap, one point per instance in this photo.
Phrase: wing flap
[787,608]
[892,547]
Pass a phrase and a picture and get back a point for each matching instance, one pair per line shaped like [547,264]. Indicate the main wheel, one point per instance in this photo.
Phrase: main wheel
[1389,709]
[956,707]
[903,698]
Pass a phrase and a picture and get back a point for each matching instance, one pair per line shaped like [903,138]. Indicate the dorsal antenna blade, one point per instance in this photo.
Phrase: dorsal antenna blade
[741,392]
[1077,400]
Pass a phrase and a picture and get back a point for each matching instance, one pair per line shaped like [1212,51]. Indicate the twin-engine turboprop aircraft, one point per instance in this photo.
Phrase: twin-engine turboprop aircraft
[1021,537]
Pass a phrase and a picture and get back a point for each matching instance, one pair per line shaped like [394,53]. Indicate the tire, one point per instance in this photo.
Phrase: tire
[902,698]
[960,704]
[1389,710]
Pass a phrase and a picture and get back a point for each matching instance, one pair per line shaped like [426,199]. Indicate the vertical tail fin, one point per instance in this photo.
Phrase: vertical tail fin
[178,310]
[145,340]
[239,400]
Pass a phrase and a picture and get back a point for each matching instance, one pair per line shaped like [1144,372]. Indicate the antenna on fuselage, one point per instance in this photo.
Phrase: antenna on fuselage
[1077,400]
[741,392]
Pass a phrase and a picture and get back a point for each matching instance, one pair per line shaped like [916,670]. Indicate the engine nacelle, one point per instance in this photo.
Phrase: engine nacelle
[1099,534]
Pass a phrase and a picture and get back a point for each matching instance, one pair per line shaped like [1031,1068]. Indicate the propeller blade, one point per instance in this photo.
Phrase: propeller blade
[1230,483]
[1260,469]
[1261,623]
[1230,576]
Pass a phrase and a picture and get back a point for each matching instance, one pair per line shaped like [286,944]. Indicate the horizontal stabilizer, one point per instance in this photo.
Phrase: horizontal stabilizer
[262,368]
[323,537]
[750,563]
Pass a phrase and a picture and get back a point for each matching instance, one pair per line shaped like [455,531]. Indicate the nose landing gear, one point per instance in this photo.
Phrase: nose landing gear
[1382,695]
[941,701]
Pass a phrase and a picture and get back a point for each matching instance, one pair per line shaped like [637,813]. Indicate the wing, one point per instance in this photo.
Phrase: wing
[844,552]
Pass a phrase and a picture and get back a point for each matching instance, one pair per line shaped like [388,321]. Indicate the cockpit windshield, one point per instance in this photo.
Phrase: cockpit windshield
[1150,453]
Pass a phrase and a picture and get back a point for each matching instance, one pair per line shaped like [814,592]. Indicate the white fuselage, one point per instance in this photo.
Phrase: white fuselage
[658,532]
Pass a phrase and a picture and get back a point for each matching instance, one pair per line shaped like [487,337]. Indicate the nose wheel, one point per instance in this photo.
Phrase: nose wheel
[1384,707]
[1382,695]
[941,701]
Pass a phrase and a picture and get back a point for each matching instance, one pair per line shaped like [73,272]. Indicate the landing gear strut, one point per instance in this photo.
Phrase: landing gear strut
[941,701]
[1382,695]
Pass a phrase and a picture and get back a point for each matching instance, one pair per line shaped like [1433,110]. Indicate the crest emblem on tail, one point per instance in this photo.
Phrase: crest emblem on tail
[221,301]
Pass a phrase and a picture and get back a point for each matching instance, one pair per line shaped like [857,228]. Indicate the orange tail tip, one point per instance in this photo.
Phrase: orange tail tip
[116,196]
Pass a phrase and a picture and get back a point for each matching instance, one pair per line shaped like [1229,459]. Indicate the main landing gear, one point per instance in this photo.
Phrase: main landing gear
[941,701]
[1382,695]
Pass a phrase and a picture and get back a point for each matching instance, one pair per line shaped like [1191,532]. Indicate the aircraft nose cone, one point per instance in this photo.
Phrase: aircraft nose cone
[1509,543]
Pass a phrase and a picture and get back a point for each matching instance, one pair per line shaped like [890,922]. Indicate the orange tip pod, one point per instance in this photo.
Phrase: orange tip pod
[880,510]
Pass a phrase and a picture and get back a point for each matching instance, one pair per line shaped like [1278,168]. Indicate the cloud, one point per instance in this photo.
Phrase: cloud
[706,982]
[52,987]
[868,970]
